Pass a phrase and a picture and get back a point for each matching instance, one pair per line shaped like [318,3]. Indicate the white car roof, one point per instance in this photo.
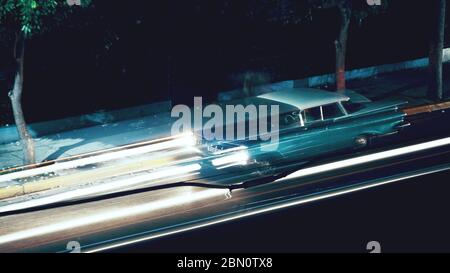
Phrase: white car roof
[304,98]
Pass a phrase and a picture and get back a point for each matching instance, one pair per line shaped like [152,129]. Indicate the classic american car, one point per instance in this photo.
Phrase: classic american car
[315,123]
[323,121]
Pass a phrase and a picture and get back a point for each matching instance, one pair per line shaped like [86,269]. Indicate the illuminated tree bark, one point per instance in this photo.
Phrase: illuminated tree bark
[341,44]
[25,19]
[436,50]
[16,102]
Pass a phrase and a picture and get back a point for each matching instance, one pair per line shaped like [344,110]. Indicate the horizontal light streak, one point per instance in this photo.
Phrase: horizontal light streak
[367,158]
[269,208]
[234,158]
[121,213]
[101,188]
[209,193]
[182,140]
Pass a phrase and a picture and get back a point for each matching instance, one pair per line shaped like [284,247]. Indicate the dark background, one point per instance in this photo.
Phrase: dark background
[136,52]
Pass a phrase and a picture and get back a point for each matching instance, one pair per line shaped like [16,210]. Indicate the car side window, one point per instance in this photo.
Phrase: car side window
[352,107]
[332,111]
[290,118]
[312,114]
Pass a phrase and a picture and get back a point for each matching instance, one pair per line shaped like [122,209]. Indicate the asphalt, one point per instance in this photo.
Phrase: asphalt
[152,214]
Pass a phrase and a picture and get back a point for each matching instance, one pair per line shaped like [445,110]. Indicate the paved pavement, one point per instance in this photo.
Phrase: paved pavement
[410,85]
[89,139]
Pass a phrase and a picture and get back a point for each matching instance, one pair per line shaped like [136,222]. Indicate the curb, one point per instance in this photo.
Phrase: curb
[11,191]
[84,178]
[80,179]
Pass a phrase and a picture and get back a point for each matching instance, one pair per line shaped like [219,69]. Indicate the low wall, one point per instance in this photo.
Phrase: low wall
[313,81]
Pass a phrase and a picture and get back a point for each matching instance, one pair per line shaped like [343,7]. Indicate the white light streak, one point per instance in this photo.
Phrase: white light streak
[236,158]
[209,193]
[367,158]
[251,212]
[187,139]
[185,198]
[102,188]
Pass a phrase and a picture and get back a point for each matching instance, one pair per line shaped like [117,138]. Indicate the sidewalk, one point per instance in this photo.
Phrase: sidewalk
[89,139]
[410,85]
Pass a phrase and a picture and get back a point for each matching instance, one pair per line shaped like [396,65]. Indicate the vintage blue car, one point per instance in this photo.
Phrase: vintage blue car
[315,123]
[322,122]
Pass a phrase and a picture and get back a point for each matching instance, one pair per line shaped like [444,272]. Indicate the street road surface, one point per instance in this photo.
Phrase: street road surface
[121,218]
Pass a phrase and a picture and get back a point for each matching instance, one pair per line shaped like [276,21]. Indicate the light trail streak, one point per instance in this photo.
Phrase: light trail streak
[95,218]
[218,219]
[101,188]
[187,139]
[238,158]
[367,158]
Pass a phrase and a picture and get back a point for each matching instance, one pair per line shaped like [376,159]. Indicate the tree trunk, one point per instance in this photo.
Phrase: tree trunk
[248,84]
[436,50]
[16,102]
[341,44]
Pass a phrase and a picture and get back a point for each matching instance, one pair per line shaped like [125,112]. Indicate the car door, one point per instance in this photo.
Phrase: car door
[340,131]
[309,140]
